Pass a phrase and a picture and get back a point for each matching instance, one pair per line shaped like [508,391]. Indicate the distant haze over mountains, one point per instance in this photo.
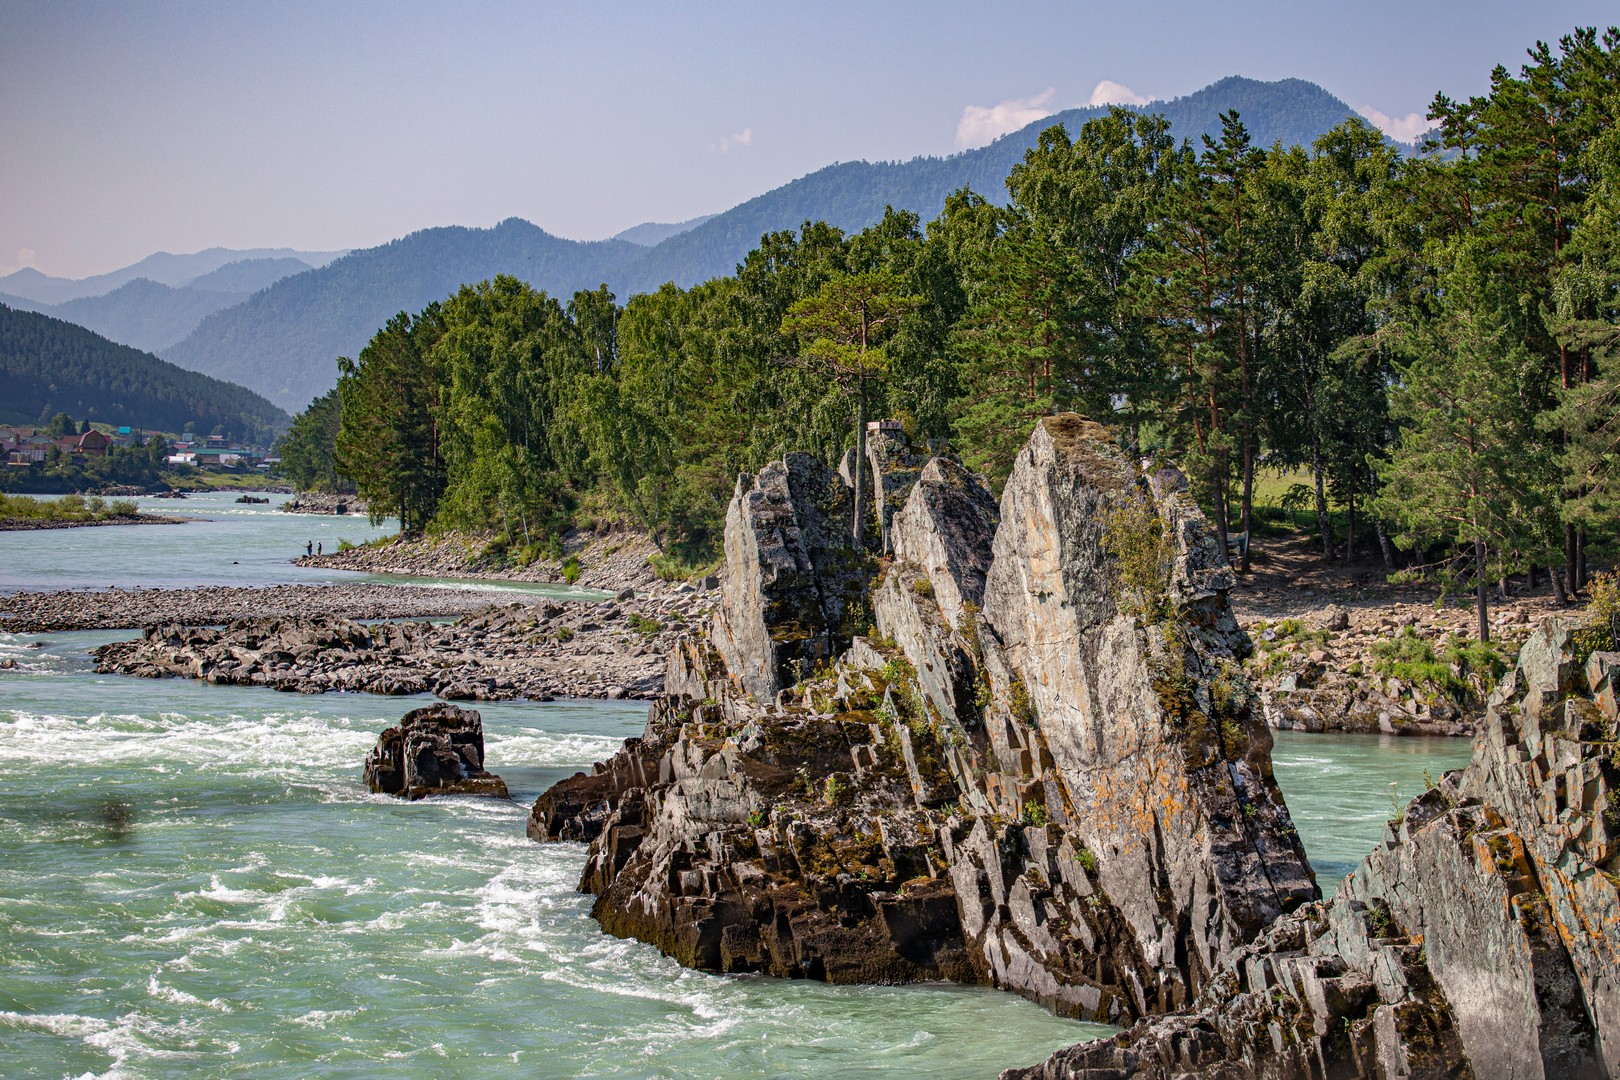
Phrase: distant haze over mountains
[152,316]
[162,267]
[652,233]
[282,341]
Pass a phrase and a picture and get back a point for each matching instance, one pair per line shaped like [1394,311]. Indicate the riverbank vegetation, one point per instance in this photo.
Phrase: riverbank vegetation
[49,366]
[1431,340]
[76,509]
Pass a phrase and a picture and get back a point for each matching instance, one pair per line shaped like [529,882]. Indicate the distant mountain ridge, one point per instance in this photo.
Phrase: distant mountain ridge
[142,314]
[652,233]
[161,267]
[49,366]
[283,341]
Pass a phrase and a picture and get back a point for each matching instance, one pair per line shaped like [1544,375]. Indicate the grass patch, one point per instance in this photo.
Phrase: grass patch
[1416,660]
[674,568]
[643,625]
[1139,541]
[67,508]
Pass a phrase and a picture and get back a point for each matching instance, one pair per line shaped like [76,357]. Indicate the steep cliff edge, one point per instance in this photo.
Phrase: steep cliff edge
[1020,751]
[1480,939]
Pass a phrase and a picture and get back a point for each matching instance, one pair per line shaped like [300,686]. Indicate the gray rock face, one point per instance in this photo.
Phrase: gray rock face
[793,582]
[1050,794]
[1142,718]
[945,528]
[437,750]
[894,470]
[1479,939]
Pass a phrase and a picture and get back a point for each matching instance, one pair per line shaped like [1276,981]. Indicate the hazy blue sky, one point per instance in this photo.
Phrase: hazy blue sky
[135,127]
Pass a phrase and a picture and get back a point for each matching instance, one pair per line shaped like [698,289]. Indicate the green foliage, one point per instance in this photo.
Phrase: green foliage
[923,587]
[1087,860]
[1034,814]
[1415,660]
[643,625]
[1139,542]
[1601,619]
[565,634]
[670,567]
[67,508]
[836,791]
[570,569]
[53,367]
[1019,703]
[308,450]
[1432,339]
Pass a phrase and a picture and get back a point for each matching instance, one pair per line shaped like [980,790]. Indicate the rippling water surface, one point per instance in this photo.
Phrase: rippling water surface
[225,543]
[193,882]
[1342,789]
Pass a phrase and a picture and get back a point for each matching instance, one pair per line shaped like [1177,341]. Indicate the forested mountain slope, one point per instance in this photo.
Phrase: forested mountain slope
[49,366]
[283,342]
[142,314]
[161,267]
[853,195]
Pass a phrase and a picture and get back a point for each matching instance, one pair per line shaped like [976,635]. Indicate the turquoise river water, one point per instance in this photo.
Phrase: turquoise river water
[194,883]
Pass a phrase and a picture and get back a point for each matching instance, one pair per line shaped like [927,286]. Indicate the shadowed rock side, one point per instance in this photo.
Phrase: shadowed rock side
[437,750]
[1038,767]
[1480,939]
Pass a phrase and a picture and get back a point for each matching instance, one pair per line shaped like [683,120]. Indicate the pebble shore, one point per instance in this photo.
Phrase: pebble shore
[119,609]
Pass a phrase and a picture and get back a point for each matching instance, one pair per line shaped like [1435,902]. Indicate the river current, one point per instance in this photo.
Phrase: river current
[193,882]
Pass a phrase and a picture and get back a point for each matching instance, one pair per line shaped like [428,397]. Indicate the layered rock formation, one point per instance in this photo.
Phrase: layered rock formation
[1481,939]
[437,750]
[1023,754]
[519,650]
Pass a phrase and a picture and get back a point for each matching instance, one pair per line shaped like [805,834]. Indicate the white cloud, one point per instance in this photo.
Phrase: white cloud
[745,137]
[981,124]
[25,257]
[1109,92]
[1400,128]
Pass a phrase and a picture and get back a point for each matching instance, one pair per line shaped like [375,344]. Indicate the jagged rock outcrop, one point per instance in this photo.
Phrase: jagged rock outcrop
[794,581]
[1041,769]
[894,469]
[437,750]
[1480,939]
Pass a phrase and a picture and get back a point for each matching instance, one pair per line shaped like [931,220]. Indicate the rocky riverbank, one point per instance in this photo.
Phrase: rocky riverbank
[527,649]
[30,524]
[612,561]
[1477,940]
[1339,648]
[120,609]
[321,502]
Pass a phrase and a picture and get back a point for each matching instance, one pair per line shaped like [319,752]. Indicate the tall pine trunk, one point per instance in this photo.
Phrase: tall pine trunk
[1322,522]
[1247,509]
[860,464]
[1572,558]
[1480,589]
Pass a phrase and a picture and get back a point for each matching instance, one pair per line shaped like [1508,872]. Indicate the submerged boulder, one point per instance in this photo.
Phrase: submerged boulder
[1038,766]
[437,750]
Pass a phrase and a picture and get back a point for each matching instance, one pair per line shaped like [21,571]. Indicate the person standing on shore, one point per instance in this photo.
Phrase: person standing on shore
[309,548]
[318,549]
